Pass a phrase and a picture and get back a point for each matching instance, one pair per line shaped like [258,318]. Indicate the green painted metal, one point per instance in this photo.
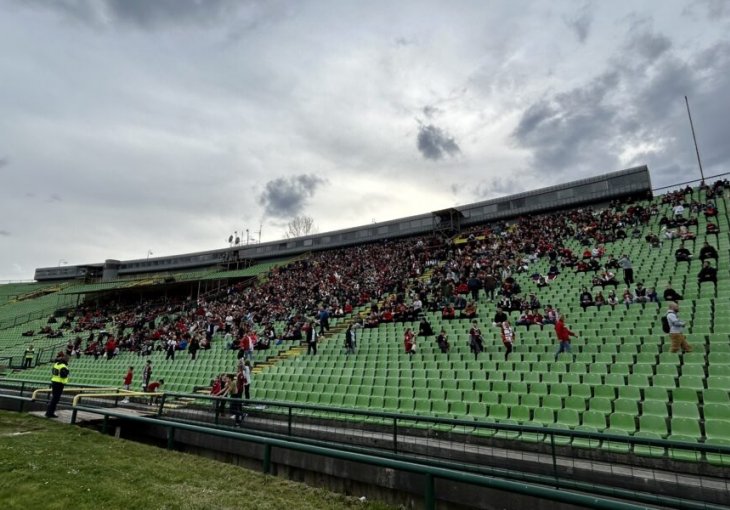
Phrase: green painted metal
[435,472]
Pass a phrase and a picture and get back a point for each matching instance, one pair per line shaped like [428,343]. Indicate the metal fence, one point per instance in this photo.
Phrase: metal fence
[561,458]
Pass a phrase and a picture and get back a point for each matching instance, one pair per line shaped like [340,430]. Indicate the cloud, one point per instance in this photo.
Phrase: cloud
[4,233]
[497,187]
[632,112]
[580,23]
[55,197]
[142,13]
[435,144]
[4,161]
[285,197]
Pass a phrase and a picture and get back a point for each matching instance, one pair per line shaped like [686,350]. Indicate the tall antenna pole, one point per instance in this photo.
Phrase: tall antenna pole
[697,150]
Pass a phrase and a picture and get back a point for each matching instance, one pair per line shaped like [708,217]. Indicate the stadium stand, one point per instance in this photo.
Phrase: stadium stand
[620,378]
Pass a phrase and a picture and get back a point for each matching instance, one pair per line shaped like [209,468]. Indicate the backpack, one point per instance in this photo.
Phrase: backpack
[665,324]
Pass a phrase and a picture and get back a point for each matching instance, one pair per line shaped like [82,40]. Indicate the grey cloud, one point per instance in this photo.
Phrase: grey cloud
[635,109]
[4,162]
[435,144]
[580,23]
[142,13]
[648,45]
[55,197]
[429,111]
[713,9]
[497,186]
[285,197]
[4,233]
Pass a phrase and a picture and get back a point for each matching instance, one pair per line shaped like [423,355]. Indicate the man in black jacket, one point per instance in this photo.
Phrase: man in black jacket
[708,252]
[707,274]
[671,295]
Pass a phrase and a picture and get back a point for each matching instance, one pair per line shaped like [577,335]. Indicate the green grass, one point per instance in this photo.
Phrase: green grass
[49,465]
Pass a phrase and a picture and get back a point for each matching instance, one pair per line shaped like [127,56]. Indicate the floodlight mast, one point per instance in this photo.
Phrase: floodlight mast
[694,138]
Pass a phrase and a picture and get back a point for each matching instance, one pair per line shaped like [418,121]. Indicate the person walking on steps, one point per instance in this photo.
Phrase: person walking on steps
[59,379]
[563,334]
[676,330]
[127,383]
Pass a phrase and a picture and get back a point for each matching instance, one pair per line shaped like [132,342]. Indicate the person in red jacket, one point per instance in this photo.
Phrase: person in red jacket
[563,334]
[409,342]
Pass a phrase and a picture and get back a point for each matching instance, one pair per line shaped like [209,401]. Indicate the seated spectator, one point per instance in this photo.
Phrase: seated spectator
[628,297]
[524,320]
[707,274]
[710,210]
[671,295]
[581,267]
[424,328]
[640,293]
[541,282]
[386,315]
[599,300]
[586,299]
[448,313]
[711,228]
[470,312]
[460,302]
[682,254]
[537,318]
[685,234]
[612,299]
[551,315]
[678,210]
[505,304]
[443,342]
[652,296]
[608,278]
[534,302]
[553,271]
[587,254]
[372,321]
[499,317]
[708,252]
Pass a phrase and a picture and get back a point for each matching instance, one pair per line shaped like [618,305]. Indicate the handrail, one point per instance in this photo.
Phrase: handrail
[570,433]
[35,394]
[430,472]
[565,483]
[599,436]
[117,393]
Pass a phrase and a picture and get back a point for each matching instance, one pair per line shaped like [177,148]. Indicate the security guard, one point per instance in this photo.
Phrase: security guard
[59,379]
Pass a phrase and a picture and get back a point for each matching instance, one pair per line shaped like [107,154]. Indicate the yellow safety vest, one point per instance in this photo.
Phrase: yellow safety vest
[60,373]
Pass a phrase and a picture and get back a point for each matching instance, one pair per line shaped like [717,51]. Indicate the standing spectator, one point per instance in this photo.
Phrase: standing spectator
[247,345]
[324,320]
[153,387]
[146,375]
[508,338]
[474,284]
[625,263]
[676,330]
[490,285]
[409,341]
[476,340]
[193,348]
[563,334]
[59,379]
[111,348]
[247,385]
[236,407]
[311,336]
[443,342]
[170,349]
[28,356]
[349,349]
[127,383]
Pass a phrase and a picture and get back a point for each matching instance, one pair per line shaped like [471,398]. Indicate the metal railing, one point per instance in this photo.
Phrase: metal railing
[430,473]
[209,413]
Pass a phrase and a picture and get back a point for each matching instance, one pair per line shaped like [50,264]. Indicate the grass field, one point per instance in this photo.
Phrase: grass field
[48,465]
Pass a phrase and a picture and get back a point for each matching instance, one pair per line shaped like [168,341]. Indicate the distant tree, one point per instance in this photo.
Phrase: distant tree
[300,226]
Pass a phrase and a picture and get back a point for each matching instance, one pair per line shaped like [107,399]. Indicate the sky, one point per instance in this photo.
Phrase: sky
[163,126]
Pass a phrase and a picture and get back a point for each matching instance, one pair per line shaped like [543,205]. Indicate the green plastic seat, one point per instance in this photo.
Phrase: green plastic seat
[623,405]
[595,420]
[646,450]
[685,410]
[581,442]
[568,417]
[601,405]
[718,412]
[654,424]
[654,408]
[716,396]
[621,422]
[498,412]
